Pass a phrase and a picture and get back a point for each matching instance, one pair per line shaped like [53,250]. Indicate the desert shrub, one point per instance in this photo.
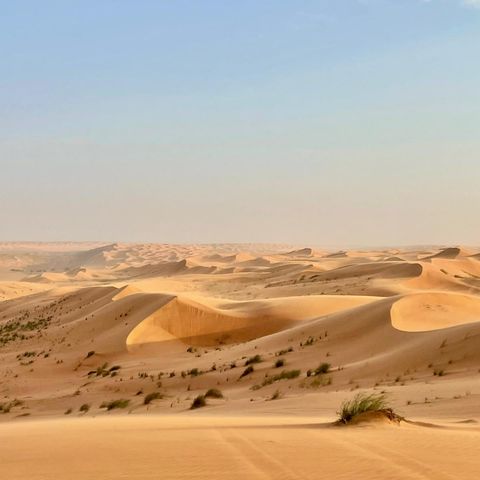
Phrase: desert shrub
[84,408]
[247,371]
[90,353]
[361,403]
[283,351]
[68,411]
[120,403]
[6,407]
[214,393]
[322,368]
[198,402]
[254,359]
[280,363]
[151,397]
[276,395]
[439,372]
[308,342]
[321,381]
[284,375]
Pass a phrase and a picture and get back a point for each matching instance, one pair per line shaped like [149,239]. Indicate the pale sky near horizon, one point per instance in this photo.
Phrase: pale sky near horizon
[346,122]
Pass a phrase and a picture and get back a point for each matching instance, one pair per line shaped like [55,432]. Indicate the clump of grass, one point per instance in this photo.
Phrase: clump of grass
[247,371]
[120,403]
[276,395]
[280,363]
[284,375]
[84,408]
[308,342]
[198,402]
[318,381]
[151,397]
[6,407]
[283,351]
[362,403]
[90,353]
[254,359]
[214,393]
[104,371]
[320,370]
[68,411]
[439,372]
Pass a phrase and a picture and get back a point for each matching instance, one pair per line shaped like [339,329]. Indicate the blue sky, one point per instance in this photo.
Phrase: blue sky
[346,122]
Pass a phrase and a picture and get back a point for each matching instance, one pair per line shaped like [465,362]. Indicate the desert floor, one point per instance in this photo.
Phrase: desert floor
[104,347]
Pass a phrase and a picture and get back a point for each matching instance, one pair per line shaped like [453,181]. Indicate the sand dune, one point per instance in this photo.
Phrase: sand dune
[208,322]
[91,325]
[433,311]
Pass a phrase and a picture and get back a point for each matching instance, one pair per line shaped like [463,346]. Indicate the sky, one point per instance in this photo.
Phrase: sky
[321,122]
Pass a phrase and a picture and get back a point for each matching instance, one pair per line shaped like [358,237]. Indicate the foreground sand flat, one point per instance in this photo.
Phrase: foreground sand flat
[173,447]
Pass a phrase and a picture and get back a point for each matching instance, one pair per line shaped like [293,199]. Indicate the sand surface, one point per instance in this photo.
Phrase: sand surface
[88,324]
[218,447]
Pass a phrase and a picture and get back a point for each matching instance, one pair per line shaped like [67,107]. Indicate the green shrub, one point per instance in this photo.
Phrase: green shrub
[247,371]
[276,395]
[284,351]
[322,368]
[361,403]
[254,359]
[214,393]
[151,397]
[120,403]
[198,402]
[284,375]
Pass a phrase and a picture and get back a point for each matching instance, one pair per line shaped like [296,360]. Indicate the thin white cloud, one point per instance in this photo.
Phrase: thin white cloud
[472,3]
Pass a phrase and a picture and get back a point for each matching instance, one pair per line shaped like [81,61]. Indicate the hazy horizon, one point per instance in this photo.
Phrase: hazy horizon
[352,123]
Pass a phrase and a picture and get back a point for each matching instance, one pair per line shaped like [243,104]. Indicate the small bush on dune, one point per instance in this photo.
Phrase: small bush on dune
[362,403]
[322,368]
[247,371]
[280,363]
[84,408]
[284,351]
[276,395]
[151,397]
[198,402]
[284,375]
[254,359]
[214,393]
[120,403]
